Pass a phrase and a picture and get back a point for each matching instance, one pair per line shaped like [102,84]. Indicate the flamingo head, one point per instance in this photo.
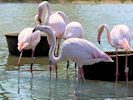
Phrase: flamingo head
[100,30]
[37,20]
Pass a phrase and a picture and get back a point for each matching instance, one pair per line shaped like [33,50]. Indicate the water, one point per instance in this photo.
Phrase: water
[15,16]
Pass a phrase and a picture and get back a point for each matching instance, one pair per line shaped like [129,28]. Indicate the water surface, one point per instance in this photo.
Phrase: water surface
[15,16]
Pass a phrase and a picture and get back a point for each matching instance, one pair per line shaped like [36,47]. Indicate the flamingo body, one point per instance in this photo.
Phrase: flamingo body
[82,52]
[121,37]
[73,30]
[28,40]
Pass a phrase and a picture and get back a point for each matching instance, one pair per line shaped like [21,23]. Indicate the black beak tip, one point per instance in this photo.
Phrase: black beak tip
[40,21]
[33,30]
[99,42]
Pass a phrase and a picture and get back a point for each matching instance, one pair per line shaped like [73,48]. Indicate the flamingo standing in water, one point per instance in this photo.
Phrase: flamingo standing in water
[73,30]
[119,38]
[79,50]
[28,40]
[56,20]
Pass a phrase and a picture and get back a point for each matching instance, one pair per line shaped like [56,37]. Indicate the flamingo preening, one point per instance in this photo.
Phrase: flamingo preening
[81,51]
[119,38]
[56,20]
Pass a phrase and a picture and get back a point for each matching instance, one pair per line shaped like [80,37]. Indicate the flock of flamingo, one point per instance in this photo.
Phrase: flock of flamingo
[74,47]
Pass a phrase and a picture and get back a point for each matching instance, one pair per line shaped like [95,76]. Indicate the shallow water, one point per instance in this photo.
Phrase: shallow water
[15,16]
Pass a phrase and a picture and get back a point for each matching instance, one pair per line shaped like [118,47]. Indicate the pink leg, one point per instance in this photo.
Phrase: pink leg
[19,61]
[50,68]
[80,73]
[126,68]
[117,67]
[32,61]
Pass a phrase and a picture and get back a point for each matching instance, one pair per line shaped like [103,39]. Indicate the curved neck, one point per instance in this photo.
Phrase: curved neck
[41,9]
[48,13]
[101,28]
[48,30]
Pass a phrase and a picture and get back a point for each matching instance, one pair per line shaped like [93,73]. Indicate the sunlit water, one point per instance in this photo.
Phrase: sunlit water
[15,16]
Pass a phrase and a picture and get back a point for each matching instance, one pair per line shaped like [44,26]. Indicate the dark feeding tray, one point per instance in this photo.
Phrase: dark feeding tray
[106,70]
[42,48]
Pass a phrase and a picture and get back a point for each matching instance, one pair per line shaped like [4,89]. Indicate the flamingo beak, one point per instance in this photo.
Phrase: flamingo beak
[99,42]
[33,30]
[39,20]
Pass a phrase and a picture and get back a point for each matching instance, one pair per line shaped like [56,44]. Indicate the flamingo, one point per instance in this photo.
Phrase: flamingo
[119,38]
[57,20]
[73,30]
[27,40]
[79,50]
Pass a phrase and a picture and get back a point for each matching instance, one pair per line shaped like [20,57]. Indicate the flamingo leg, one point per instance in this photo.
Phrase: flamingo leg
[50,68]
[82,73]
[126,68]
[32,61]
[67,68]
[79,73]
[56,68]
[19,61]
[117,67]
[75,66]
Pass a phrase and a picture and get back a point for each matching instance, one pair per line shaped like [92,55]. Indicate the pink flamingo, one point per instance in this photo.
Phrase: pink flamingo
[119,38]
[73,30]
[57,20]
[28,40]
[79,50]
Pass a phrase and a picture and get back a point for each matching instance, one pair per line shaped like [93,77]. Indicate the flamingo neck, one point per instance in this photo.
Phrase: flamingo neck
[48,13]
[52,57]
[108,35]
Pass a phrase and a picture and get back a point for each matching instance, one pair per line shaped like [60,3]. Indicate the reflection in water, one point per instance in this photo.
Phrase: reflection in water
[12,60]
